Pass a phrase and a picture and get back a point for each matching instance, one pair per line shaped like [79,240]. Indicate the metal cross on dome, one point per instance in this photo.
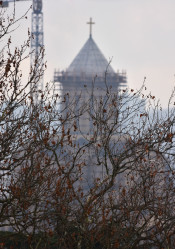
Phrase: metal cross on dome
[90,24]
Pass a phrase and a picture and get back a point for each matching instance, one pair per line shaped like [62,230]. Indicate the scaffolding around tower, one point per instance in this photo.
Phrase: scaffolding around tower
[65,80]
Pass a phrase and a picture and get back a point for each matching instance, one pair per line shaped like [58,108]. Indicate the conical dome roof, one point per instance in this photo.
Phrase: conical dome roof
[90,61]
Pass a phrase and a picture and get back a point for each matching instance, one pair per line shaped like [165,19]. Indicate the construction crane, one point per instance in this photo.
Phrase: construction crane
[37,32]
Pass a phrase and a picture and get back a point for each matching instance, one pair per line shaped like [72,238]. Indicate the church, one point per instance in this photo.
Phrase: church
[86,80]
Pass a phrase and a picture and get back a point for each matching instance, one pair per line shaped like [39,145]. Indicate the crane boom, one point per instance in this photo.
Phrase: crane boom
[6,3]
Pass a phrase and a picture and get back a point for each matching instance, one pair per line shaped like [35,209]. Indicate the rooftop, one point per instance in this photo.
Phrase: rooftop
[90,61]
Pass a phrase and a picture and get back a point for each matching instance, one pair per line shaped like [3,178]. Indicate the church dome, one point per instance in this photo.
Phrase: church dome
[90,61]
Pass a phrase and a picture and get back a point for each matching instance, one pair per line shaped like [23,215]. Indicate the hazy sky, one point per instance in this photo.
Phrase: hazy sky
[138,34]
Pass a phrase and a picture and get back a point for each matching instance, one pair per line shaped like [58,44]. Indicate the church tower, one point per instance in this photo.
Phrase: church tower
[89,68]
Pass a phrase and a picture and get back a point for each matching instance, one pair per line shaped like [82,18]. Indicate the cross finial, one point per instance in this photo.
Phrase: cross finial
[90,24]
